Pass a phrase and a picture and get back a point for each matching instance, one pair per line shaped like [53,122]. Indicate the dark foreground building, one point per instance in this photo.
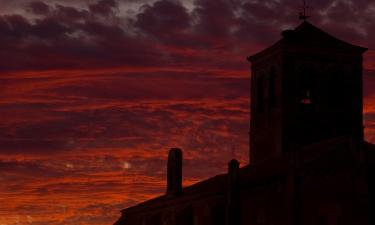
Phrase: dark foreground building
[309,163]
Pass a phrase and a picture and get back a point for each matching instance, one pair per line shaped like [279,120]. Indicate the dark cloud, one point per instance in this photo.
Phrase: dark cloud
[68,37]
[14,28]
[103,7]
[39,8]
[215,18]
[162,18]
[50,29]
[163,33]
[69,15]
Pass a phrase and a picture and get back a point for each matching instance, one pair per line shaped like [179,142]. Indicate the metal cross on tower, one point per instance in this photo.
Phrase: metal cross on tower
[302,15]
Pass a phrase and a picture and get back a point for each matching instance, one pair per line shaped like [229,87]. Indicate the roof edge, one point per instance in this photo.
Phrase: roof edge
[286,34]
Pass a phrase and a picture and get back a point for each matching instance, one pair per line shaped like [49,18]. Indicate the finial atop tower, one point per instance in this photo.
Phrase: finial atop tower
[302,15]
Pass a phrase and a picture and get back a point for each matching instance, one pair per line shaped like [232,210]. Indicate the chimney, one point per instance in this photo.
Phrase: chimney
[174,172]
[233,200]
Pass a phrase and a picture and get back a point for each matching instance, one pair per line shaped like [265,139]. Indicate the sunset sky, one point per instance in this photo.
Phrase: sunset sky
[94,93]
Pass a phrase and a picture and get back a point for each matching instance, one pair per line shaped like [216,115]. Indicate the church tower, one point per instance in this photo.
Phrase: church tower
[305,88]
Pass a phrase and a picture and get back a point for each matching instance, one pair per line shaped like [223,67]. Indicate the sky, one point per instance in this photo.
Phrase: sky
[93,94]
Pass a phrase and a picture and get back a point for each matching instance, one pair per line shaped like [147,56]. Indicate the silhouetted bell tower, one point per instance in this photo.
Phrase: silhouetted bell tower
[305,88]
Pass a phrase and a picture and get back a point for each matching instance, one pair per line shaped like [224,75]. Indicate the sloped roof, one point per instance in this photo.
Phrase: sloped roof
[248,173]
[309,36]
[339,150]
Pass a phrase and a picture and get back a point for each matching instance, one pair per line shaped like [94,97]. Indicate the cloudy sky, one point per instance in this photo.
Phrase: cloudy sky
[95,92]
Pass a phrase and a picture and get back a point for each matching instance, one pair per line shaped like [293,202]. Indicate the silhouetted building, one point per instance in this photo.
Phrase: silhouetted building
[309,163]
